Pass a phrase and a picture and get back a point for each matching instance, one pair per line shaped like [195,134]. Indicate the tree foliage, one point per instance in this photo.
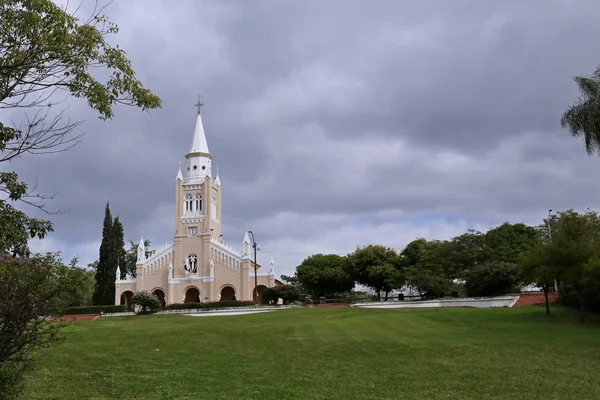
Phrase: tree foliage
[377,267]
[106,269]
[492,279]
[582,118]
[287,293]
[47,54]
[120,255]
[324,275]
[31,289]
[146,301]
[131,258]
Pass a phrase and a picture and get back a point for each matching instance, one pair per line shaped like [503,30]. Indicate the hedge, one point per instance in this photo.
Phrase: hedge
[210,305]
[93,310]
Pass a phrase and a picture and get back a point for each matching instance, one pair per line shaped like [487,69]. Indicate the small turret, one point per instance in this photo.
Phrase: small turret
[118,274]
[141,251]
[272,267]
[179,174]
[246,245]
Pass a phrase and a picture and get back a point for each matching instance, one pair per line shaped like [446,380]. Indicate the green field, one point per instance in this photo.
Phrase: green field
[326,354]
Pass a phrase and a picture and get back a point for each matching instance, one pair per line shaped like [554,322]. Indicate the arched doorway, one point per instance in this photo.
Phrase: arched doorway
[261,291]
[192,295]
[126,299]
[161,297]
[228,293]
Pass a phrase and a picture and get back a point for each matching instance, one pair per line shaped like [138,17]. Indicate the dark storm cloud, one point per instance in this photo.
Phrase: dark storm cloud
[324,113]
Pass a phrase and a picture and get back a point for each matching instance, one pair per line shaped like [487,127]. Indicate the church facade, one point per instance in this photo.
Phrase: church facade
[198,266]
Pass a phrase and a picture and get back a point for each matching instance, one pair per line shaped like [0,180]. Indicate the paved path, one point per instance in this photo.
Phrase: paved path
[223,313]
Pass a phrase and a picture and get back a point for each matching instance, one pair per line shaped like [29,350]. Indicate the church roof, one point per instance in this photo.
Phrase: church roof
[199,144]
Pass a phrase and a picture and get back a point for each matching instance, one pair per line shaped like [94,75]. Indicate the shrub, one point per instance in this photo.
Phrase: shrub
[31,289]
[146,301]
[210,305]
[93,310]
[288,293]
[492,279]
[591,299]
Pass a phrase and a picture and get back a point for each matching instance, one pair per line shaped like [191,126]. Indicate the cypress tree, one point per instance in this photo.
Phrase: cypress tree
[119,250]
[104,291]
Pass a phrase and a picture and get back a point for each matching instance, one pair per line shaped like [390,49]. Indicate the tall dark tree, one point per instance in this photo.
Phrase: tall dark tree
[583,117]
[119,249]
[104,292]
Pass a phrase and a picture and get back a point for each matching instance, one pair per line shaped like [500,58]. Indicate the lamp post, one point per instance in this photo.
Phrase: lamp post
[255,268]
[550,237]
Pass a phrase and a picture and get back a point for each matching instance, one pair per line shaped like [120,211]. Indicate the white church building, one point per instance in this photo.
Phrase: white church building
[198,266]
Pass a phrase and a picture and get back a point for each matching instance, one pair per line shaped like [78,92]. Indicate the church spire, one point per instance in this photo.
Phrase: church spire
[199,157]
[199,143]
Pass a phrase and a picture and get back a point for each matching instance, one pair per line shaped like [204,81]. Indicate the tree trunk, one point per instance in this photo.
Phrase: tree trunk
[378,294]
[387,292]
[581,307]
[545,287]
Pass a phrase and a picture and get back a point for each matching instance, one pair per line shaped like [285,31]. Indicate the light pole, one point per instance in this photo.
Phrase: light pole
[255,268]
[550,237]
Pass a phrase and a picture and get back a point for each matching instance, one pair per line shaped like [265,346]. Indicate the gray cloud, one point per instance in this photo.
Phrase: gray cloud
[338,123]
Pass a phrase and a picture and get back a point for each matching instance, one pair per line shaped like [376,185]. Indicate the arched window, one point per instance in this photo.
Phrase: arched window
[197,203]
[188,203]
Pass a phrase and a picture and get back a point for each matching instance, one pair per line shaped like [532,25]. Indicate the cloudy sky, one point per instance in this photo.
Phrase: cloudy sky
[337,123]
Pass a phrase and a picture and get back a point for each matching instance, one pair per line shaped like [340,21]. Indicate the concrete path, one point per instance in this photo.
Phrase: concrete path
[224,313]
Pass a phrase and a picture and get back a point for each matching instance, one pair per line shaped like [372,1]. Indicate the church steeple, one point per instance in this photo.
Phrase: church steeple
[199,157]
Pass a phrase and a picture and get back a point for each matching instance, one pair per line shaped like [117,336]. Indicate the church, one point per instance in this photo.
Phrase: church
[198,266]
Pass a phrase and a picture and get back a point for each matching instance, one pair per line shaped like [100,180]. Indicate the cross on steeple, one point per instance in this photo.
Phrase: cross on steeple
[199,104]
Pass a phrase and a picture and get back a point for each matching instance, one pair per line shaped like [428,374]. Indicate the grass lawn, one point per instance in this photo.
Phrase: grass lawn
[348,353]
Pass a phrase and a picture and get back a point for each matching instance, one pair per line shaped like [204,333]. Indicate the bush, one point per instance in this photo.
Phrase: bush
[93,310]
[32,289]
[492,279]
[288,293]
[591,299]
[210,305]
[146,301]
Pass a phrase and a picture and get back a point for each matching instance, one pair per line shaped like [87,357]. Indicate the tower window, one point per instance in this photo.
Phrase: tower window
[188,203]
[197,203]
[195,167]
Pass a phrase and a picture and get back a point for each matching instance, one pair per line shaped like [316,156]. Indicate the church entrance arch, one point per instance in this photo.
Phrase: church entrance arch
[126,299]
[261,299]
[227,293]
[192,295]
[161,297]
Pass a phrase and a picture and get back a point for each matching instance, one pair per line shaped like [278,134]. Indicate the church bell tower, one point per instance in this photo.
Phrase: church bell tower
[197,210]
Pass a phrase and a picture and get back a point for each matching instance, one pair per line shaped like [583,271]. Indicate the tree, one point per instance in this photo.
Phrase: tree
[583,117]
[492,279]
[131,258]
[106,269]
[120,255]
[44,52]
[539,268]
[324,275]
[377,267]
[573,249]
[508,242]
[82,282]
[31,289]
